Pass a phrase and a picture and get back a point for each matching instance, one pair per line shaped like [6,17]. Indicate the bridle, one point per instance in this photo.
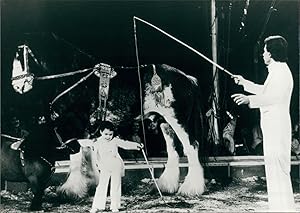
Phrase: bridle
[22,79]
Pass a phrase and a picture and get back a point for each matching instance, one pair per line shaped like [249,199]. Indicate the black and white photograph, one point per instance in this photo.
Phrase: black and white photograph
[150,106]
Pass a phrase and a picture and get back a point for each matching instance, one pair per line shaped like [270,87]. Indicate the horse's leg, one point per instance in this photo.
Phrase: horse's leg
[169,180]
[194,183]
[38,192]
[38,175]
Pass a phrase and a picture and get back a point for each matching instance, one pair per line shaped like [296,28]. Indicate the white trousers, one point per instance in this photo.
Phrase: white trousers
[101,190]
[279,186]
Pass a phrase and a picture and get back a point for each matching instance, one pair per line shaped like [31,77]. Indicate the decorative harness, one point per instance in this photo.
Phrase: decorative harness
[157,88]
[22,79]
[104,72]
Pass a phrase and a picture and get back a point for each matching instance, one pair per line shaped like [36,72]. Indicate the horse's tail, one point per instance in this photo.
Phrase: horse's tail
[197,129]
[81,178]
[75,186]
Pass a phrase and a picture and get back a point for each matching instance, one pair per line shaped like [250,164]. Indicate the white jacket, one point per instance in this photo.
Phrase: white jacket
[273,100]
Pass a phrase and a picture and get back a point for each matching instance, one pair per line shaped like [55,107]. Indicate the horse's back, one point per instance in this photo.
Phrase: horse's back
[11,167]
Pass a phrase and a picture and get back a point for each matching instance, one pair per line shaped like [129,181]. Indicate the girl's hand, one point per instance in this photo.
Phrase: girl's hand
[140,146]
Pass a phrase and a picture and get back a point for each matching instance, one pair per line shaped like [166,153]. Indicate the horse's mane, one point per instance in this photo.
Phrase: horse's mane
[189,77]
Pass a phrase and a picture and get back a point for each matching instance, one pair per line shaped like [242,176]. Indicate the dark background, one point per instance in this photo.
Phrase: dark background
[104,30]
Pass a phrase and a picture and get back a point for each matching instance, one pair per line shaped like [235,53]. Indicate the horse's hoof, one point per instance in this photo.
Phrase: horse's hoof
[35,208]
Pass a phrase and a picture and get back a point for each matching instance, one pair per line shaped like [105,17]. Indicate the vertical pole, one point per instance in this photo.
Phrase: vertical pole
[298,75]
[215,100]
[6,185]
[299,85]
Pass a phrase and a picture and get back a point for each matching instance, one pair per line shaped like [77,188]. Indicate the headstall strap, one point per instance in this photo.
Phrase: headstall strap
[31,75]
[33,57]
[58,137]
[25,55]
[22,79]
[105,72]
[27,51]
[23,71]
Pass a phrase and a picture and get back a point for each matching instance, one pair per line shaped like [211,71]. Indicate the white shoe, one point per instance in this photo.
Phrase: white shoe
[96,210]
[115,210]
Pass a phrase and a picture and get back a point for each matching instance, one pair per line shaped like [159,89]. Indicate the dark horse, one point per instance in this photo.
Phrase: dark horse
[31,158]
[19,164]
[118,94]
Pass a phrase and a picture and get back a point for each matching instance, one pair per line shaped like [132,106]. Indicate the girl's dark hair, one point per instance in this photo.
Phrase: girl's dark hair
[107,125]
[277,46]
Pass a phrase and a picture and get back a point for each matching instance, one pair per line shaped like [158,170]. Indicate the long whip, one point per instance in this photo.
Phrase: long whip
[141,109]
[184,44]
[151,172]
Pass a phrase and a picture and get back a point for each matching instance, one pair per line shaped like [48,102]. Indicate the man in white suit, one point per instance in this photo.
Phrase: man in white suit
[273,100]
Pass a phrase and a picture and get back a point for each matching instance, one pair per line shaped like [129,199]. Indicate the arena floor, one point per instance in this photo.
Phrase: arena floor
[237,195]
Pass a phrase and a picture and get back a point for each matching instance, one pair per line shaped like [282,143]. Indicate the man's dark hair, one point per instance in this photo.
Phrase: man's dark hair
[107,125]
[277,46]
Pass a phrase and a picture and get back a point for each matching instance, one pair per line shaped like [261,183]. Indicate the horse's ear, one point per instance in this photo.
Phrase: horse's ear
[16,145]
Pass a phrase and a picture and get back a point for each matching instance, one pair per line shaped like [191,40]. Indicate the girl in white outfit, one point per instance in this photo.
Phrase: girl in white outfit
[111,167]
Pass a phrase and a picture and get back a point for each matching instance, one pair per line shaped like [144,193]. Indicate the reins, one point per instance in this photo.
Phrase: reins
[90,70]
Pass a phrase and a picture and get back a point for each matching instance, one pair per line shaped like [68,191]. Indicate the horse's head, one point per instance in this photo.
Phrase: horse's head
[22,79]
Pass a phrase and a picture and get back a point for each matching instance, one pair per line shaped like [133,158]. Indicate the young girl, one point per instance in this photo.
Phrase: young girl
[111,167]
